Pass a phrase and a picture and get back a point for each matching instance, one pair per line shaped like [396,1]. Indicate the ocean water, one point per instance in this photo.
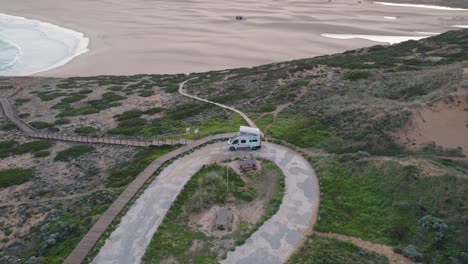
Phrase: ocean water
[9,55]
[31,46]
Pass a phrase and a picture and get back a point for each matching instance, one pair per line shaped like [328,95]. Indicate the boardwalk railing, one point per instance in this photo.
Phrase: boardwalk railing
[131,142]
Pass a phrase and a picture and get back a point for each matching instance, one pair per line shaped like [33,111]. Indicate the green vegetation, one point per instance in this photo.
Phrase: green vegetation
[175,120]
[22,100]
[17,176]
[73,152]
[153,110]
[62,121]
[10,147]
[85,130]
[356,75]
[389,203]
[324,250]
[65,228]
[41,124]
[41,153]
[126,172]
[23,115]
[108,100]
[7,127]
[172,88]
[207,188]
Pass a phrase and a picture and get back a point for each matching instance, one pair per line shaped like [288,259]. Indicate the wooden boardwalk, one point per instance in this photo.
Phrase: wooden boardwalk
[89,240]
[132,142]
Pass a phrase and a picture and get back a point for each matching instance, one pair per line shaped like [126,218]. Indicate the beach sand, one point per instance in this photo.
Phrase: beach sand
[140,36]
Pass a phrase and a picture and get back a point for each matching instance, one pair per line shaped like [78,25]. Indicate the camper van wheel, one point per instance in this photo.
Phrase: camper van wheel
[232,148]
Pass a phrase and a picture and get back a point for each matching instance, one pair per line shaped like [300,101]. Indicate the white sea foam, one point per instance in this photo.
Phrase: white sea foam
[460,26]
[9,55]
[43,46]
[422,6]
[377,38]
[427,33]
[390,17]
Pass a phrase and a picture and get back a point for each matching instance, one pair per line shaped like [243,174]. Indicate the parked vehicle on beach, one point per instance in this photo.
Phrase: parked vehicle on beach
[247,138]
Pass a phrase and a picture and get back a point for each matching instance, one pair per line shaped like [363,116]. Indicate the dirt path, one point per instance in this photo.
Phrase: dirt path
[280,108]
[374,247]
[244,116]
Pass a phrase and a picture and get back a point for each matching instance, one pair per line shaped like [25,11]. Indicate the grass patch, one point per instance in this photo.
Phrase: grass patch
[41,153]
[10,147]
[171,88]
[41,125]
[85,130]
[62,121]
[22,100]
[356,75]
[385,202]
[73,152]
[205,189]
[153,111]
[15,176]
[325,250]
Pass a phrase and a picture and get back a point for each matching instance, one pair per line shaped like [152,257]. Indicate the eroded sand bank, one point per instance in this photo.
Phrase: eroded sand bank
[138,36]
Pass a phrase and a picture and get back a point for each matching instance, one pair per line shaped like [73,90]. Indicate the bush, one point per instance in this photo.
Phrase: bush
[412,253]
[171,88]
[85,130]
[31,146]
[41,125]
[73,152]
[356,75]
[153,110]
[129,114]
[41,153]
[146,93]
[15,176]
[62,121]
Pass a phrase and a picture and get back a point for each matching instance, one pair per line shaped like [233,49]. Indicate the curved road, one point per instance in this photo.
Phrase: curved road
[273,243]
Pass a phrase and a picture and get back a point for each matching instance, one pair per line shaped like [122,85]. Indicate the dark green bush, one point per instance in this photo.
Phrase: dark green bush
[15,176]
[73,152]
[356,75]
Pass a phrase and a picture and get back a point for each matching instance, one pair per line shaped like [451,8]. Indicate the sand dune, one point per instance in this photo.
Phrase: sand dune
[138,36]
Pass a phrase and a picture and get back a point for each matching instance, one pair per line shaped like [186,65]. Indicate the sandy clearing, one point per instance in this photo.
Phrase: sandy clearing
[130,37]
[444,122]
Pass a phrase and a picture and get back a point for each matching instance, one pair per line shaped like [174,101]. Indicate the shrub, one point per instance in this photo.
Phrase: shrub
[22,100]
[41,125]
[73,152]
[171,88]
[85,91]
[129,114]
[31,146]
[356,75]
[62,121]
[146,93]
[73,98]
[412,253]
[41,153]
[153,110]
[15,176]
[23,115]
[85,130]
[267,108]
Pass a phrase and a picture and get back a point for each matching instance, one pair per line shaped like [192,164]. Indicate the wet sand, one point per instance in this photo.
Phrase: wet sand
[138,36]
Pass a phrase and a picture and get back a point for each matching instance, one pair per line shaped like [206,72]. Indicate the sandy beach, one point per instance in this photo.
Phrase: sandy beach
[133,37]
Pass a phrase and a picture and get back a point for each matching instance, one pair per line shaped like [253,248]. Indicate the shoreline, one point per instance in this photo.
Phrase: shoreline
[161,37]
[60,44]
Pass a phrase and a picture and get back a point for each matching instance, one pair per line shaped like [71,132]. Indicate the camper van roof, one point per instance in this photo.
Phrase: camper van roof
[249,130]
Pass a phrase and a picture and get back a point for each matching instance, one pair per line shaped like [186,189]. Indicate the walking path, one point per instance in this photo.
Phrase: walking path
[133,142]
[273,243]
[374,247]
[244,116]
[89,240]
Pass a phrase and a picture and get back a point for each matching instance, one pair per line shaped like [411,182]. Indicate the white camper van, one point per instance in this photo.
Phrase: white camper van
[247,138]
